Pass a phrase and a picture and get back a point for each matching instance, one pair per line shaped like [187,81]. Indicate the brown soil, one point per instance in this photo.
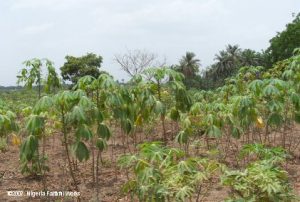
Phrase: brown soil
[111,179]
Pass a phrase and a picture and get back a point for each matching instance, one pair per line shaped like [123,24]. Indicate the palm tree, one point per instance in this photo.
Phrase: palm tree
[189,65]
[227,60]
[250,58]
[233,51]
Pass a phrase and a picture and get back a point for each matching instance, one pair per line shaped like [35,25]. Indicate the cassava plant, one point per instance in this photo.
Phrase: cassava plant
[164,174]
[31,161]
[33,75]
[66,107]
[263,179]
[160,78]
[8,125]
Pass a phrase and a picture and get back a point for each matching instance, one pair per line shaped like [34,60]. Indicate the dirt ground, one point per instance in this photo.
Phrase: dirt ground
[111,179]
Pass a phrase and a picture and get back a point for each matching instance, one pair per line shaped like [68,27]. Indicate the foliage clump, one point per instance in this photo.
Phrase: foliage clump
[261,180]
[164,174]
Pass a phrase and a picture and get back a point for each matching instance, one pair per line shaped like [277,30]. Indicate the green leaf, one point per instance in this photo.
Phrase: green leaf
[297,117]
[44,104]
[184,193]
[271,90]
[84,132]
[81,151]
[236,133]
[99,116]
[85,82]
[174,114]
[35,125]
[186,123]
[29,147]
[76,94]
[296,100]
[196,108]
[85,103]
[101,144]
[275,119]
[129,186]
[127,126]
[78,115]
[103,131]
[213,131]
[66,99]
[159,108]
[126,160]
[256,86]
[182,137]
[105,81]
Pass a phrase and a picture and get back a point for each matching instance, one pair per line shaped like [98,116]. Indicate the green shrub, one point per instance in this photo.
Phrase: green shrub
[262,180]
[163,174]
[3,144]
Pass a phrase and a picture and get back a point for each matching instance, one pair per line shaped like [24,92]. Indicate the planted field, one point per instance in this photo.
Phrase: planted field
[154,140]
[153,130]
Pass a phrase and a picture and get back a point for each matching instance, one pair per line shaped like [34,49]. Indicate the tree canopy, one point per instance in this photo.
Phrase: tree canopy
[284,43]
[189,66]
[77,67]
[229,61]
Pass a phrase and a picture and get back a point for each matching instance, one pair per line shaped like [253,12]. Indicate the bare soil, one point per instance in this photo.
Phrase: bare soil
[111,178]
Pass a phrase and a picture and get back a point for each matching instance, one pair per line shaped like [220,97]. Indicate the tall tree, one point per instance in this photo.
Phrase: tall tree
[189,65]
[134,62]
[228,60]
[250,57]
[77,67]
[284,43]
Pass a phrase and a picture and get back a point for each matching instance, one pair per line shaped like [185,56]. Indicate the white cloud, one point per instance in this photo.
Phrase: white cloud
[36,29]
[45,4]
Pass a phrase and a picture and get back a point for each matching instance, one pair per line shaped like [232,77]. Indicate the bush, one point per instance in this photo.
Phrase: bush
[163,174]
[261,180]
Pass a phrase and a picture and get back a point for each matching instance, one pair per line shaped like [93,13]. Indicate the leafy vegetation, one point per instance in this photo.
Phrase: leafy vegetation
[77,67]
[162,174]
[284,43]
[165,137]
[263,179]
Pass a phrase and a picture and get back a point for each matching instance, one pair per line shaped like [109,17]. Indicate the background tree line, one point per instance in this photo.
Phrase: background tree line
[227,61]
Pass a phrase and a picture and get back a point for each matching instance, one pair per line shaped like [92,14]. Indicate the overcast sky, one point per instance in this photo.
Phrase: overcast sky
[56,28]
